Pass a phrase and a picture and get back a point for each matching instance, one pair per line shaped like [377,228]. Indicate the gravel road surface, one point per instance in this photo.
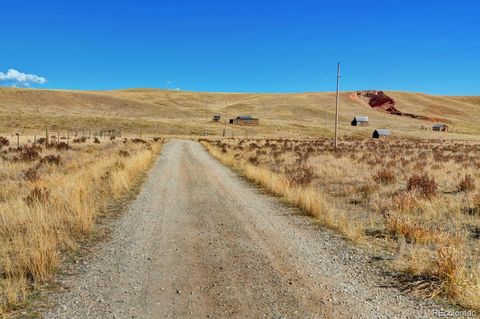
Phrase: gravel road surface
[200,242]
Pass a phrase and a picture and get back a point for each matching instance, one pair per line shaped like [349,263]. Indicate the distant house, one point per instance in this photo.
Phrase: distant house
[245,120]
[381,133]
[440,127]
[216,118]
[360,121]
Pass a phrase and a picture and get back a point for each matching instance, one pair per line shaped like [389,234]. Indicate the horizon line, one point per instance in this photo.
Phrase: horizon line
[230,92]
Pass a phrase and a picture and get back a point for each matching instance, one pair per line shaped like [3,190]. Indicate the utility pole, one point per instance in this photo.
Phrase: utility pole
[206,112]
[336,105]
[225,129]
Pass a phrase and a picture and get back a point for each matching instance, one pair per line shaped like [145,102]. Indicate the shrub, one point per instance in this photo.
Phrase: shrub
[82,139]
[96,140]
[385,176]
[37,195]
[51,159]
[450,269]
[29,154]
[424,184]
[253,160]
[31,174]
[252,146]
[299,176]
[124,153]
[62,146]
[139,140]
[467,184]
[3,142]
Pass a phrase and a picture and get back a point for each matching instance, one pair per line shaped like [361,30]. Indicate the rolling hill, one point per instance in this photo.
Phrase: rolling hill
[153,111]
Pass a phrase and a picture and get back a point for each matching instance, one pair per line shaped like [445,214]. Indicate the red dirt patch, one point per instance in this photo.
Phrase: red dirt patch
[378,100]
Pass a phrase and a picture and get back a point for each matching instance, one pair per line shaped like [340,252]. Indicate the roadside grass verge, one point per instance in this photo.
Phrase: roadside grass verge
[307,198]
[50,198]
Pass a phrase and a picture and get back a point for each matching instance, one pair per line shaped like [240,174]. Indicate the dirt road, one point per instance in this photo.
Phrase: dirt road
[200,242]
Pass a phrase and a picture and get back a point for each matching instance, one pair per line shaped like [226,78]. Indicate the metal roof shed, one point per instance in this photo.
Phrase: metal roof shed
[381,133]
[440,127]
[360,121]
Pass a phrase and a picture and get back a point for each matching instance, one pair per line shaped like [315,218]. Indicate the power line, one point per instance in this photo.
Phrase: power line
[417,60]
[328,67]
[408,42]
[337,97]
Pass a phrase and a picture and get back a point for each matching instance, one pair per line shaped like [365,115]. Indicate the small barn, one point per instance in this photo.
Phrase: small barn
[360,121]
[381,133]
[440,127]
[216,118]
[245,120]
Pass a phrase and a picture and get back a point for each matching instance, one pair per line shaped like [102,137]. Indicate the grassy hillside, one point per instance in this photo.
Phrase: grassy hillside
[153,111]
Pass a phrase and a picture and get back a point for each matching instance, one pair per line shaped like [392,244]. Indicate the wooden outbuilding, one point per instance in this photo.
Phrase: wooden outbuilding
[360,121]
[245,120]
[381,133]
[440,127]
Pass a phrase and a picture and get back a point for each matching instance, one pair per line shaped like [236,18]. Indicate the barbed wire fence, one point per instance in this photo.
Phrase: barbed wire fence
[48,136]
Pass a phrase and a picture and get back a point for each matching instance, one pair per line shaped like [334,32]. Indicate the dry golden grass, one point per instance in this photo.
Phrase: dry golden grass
[49,201]
[172,112]
[307,198]
[414,198]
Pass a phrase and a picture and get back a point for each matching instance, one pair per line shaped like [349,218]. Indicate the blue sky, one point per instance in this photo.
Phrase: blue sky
[242,46]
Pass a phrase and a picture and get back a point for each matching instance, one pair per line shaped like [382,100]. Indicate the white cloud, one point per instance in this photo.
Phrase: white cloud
[19,78]
[170,85]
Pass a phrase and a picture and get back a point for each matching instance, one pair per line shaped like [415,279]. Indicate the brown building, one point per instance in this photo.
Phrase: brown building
[245,120]
[440,127]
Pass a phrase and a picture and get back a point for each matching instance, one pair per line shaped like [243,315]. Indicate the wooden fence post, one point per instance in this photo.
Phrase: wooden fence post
[47,137]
